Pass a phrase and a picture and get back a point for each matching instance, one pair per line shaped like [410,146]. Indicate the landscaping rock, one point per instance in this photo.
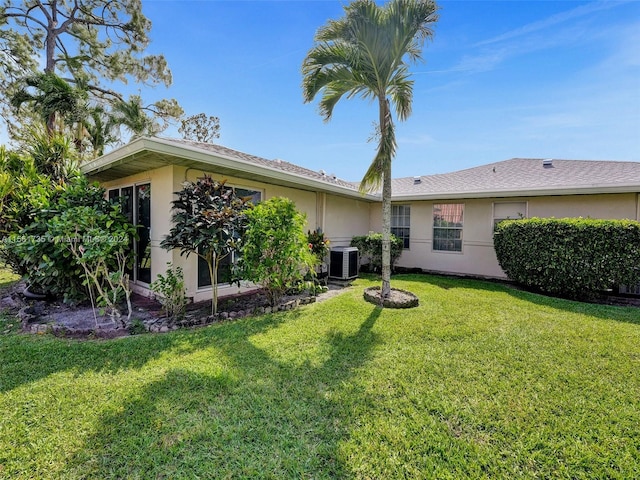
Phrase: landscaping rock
[10,303]
[397,299]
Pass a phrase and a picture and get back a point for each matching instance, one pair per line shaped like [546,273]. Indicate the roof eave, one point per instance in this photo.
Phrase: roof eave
[166,147]
[538,192]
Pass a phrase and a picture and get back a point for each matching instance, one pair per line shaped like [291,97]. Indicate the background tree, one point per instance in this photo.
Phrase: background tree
[275,251]
[200,128]
[208,220]
[55,101]
[366,53]
[90,44]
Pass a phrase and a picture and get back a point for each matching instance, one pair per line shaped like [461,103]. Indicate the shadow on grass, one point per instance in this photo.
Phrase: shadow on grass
[26,359]
[267,419]
[628,314]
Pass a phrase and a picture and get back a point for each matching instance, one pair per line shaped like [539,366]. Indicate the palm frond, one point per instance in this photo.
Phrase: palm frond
[366,53]
[400,91]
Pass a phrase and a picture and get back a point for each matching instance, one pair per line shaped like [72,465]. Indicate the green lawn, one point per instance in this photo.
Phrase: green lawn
[6,277]
[480,381]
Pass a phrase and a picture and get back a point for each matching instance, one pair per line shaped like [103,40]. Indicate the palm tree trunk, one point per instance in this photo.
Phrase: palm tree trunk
[386,232]
[385,125]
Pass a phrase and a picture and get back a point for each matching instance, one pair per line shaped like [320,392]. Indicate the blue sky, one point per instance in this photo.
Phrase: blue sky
[544,79]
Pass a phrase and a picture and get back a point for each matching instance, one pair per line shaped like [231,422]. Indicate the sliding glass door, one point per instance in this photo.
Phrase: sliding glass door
[136,206]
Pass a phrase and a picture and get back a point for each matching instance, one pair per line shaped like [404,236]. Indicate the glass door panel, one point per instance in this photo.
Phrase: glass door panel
[143,222]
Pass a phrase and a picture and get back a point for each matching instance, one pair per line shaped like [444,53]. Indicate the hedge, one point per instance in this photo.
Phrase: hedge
[572,257]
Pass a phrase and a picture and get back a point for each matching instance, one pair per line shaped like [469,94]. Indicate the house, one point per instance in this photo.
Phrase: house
[446,221]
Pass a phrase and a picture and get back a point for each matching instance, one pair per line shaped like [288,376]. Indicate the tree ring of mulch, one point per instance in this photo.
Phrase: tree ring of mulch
[397,298]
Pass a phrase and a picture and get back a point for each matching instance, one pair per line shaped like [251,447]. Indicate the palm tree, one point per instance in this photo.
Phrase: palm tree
[366,54]
[131,114]
[51,97]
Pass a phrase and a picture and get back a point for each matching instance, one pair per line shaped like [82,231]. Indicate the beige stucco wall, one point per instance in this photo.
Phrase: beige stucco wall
[345,218]
[613,206]
[478,256]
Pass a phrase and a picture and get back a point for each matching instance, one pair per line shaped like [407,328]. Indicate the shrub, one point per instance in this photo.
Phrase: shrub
[48,264]
[209,221]
[318,244]
[97,239]
[275,252]
[23,193]
[371,246]
[170,288]
[569,257]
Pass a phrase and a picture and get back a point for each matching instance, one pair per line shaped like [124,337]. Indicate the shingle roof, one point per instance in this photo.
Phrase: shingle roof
[525,176]
[275,164]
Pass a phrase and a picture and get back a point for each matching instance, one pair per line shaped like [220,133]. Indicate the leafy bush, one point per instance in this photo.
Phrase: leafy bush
[171,290]
[569,257]
[97,239]
[42,256]
[23,193]
[371,246]
[275,252]
[209,220]
[318,244]
[31,183]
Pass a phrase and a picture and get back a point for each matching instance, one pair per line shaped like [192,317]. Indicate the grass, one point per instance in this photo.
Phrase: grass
[7,323]
[480,381]
[6,277]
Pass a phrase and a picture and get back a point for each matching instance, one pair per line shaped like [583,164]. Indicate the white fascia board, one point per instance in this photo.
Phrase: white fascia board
[120,153]
[538,192]
[167,147]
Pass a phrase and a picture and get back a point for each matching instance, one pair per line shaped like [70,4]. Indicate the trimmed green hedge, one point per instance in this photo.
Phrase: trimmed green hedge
[572,257]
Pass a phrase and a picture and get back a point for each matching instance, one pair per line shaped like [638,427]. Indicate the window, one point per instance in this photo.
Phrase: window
[447,227]
[508,211]
[224,269]
[401,223]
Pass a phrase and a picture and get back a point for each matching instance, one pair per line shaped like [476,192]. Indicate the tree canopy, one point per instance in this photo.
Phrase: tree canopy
[91,45]
[200,128]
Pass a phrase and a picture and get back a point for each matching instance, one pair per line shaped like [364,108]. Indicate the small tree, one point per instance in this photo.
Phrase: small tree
[209,220]
[275,253]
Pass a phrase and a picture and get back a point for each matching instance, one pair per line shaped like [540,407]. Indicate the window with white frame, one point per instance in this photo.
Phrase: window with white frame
[224,268]
[508,211]
[401,223]
[448,219]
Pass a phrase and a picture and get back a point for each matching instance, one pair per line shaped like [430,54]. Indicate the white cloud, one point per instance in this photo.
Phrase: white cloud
[552,21]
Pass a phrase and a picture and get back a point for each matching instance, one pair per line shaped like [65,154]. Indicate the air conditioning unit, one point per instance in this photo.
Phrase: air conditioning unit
[343,263]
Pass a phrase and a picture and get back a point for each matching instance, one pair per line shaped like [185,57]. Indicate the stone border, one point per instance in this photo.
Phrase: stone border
[236,314]
[161,325]
[372,295]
